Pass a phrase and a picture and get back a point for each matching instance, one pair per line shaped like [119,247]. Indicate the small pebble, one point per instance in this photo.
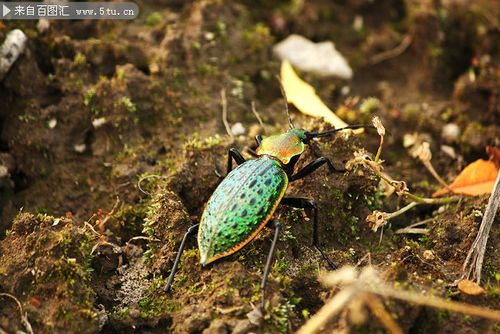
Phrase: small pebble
[209,36]
[80,148]
[345,90]
[450,133]
[3,171]
[428,255]
[43,25]
[98,122]
[238,129]
[52,123]
[11,49]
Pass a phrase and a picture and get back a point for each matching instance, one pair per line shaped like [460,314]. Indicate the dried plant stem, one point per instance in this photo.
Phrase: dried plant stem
[331,308]
[425,200]
[416,198]
[24,315]
[223,103]
[475,257]
[380,312]
[380,57]
[401,211]
[438,178]
[379,151]
[254,110]
[145,178]
[413,228]
[437,302]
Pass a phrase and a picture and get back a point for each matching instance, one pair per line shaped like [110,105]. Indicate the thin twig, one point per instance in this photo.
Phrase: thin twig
[412,230]
[254,110]
[379,151]
[475,256]
[145,178]
[24,315]
[140,237]
[398,50]
[438,178]
[223,102]
[437,302]
[331,308]
[380,312]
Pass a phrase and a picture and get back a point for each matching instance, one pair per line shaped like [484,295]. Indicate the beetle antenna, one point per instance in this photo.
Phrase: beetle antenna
[283,93]
[326,133]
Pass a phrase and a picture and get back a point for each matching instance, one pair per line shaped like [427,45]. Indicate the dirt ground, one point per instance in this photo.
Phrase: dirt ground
[111,133]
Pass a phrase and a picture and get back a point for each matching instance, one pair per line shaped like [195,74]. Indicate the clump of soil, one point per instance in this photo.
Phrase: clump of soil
[46,263]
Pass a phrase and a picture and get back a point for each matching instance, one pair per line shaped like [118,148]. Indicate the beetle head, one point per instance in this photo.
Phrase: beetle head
[283,146]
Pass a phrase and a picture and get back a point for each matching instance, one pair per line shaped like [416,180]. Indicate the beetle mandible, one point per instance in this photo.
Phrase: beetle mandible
[244,202]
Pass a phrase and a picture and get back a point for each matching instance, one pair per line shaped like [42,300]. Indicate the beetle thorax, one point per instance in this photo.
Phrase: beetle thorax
[283,147]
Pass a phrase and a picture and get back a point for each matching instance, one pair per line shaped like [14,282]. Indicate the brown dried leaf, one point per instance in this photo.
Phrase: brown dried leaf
[476,179]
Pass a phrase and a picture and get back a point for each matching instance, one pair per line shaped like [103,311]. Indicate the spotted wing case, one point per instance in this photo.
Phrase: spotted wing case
[240,207]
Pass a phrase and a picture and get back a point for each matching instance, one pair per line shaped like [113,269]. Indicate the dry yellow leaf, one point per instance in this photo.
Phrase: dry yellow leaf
[470,288]
[302,95]
[476,179]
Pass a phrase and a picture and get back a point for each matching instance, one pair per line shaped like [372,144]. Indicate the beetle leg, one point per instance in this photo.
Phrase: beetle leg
[313,166]
[236,155]
[277,228]
[192,230]
[258,139]
[307,203]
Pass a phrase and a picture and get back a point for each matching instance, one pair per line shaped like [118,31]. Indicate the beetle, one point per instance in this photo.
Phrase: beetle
[246,199]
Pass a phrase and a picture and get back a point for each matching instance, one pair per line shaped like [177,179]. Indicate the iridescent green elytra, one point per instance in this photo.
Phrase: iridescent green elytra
[240,207]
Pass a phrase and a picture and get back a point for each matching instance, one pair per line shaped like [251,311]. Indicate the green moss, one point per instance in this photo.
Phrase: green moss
[80,59]
[280,315]
[153,19]
[258,37]
[280,265]
[206,69]
[148,226]
[126,103]
[156,303]
[88,96]
[131,217]
[197,144]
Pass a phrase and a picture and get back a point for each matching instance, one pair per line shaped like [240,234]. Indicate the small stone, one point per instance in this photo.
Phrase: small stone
[98,122]
[154,68]
[11,49]
[428,255]
[345,90]
[209,35]
[52,123]
[321,58]
[196,323]
[3,171]
[255,316]
[450,133]
[43,25]
[357,24]
[217,326]
[80,148]
[242,327]
[238,129]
